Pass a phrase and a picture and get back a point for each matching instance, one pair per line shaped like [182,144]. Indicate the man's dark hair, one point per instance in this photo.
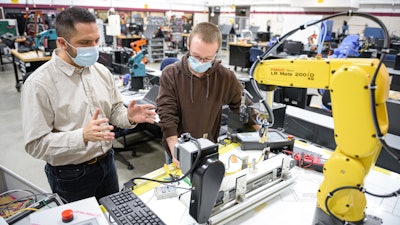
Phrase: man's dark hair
[66,20]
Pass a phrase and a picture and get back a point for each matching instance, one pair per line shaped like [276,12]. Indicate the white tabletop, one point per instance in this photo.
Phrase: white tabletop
[296,205]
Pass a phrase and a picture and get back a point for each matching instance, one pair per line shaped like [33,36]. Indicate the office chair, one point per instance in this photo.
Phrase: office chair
[166,61]
[254,53]
[121,136]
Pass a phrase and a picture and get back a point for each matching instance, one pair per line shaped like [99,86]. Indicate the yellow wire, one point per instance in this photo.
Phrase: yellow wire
[20,210]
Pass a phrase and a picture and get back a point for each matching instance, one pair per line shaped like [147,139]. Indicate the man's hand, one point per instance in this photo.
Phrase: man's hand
[141,113]
[98,129]
[172,140]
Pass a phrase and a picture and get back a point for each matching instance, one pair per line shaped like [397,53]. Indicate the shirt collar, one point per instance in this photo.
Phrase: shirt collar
[65,67]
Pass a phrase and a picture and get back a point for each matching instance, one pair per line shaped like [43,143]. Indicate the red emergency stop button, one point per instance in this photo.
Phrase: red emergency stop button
[67,215]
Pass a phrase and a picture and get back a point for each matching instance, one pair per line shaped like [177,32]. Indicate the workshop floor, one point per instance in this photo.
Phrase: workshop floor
[150,155]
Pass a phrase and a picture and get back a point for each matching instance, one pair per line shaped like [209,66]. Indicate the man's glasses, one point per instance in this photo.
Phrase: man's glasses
[203,60]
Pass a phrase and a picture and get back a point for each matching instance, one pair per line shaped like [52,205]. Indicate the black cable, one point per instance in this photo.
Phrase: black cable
[253,83]
[330,195]
[393,194]
[20,199]
[361,189]
[194,165]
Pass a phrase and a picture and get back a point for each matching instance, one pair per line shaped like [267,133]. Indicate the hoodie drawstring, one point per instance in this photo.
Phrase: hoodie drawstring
[208,86]
[191,88]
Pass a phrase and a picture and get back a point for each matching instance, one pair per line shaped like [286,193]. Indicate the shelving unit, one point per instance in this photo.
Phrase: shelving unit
[155,49]
[228,35]
[226,38]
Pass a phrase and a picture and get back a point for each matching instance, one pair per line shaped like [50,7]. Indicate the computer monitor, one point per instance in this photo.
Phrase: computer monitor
[106,59]
[293,47]
[135,28]
[395,46]
[393,108]
[373,32]
[263,36]
[379,43]
[291,96]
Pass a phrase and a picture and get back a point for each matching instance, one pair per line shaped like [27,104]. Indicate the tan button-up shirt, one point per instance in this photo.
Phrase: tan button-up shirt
[58,100]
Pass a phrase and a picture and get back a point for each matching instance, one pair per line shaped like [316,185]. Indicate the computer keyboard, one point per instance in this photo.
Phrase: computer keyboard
[126,209]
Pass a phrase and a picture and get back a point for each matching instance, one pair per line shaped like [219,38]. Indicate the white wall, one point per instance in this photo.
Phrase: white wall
[278,11]
[200,17]
[261,10]
[175,5]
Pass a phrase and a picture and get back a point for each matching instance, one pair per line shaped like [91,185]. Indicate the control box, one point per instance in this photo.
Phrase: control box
[86,211]
[277,141]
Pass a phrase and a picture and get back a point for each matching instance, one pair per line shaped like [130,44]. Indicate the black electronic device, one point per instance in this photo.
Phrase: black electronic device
[393,109]
[135,28]
[397,62]
[395,46]
[106,59]
[389,60]
[293,47]
[263,36]
[126,208]
[122,56]
[277,141]
[119,68]
[291,96]
[314,132]
[378,43]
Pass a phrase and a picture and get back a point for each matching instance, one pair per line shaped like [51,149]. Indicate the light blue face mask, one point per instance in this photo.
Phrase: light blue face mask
[198,66]
[85,56]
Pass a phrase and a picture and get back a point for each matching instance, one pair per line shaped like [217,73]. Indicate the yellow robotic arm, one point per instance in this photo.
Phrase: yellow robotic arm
[357,145]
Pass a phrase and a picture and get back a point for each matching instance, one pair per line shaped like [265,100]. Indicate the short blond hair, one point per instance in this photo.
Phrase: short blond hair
[207,32]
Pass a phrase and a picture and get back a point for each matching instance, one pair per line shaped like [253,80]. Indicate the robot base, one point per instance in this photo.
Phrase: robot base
[321,218]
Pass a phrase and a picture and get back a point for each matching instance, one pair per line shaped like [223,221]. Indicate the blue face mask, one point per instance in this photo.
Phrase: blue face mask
[85,56]
[197,66]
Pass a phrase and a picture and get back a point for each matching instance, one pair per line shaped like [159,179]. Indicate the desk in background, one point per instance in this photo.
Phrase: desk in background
[239,55]
[10,44]
[28,62]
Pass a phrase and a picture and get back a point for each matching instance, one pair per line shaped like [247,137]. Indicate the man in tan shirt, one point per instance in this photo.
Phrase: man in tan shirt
[68,105]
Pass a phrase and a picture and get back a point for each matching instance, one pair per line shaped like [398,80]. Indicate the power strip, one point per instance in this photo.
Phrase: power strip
[163,192]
